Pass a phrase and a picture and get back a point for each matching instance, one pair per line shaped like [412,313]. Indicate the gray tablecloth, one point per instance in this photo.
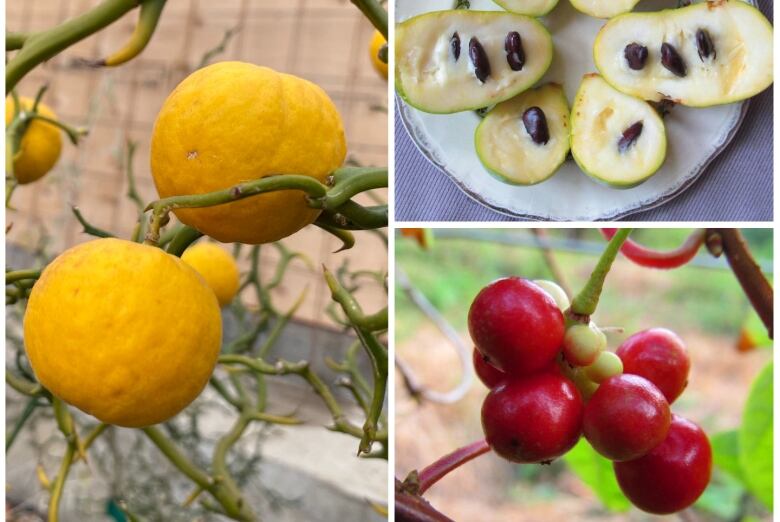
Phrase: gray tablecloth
[738,186]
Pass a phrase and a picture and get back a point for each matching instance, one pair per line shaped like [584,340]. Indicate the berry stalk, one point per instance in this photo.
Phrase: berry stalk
[650,258]
[584,304]
[431,474]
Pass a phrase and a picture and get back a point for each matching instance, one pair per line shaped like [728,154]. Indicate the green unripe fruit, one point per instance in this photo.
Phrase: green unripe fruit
[582,344]
[607,365]
[556,292]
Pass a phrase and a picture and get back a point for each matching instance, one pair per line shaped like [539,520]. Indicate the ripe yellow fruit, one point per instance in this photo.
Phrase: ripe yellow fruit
[377,41]
[217,267]
[233,122]
[123,331]
[41,144]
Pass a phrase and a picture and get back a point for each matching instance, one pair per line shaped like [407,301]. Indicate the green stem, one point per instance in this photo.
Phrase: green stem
[44,45]
[23,418]
[15,41]
[73,134]
[89,228]
[362,217]
[19,275]
[350,181]
[345,236]
[584,305]
[162,207]
[59,483]
[375,13]
[177,458]
[182,240]
[22,385]
[149,16]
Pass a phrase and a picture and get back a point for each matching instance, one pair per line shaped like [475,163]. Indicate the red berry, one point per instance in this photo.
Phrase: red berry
[626,417]
[673,475]
[533,419]
[517,325]
[659,356]
[487,373]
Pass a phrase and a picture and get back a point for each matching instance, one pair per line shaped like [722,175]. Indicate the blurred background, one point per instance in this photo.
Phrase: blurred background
[308,472]
[702,302]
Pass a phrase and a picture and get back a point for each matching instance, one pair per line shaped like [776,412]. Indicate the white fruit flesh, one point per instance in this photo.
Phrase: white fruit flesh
[600,116]
[430,79]
[528,7]
[507,150]
[604,8]
[742,66]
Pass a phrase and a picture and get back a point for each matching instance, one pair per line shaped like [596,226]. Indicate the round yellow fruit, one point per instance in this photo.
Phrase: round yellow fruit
[123,331]
[233,122]
[41,144]
[377,41]
[217,267]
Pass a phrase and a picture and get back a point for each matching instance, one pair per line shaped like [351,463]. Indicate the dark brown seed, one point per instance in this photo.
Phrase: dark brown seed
[455,45]
[479,59]
[536,125]
[705,45]
[630,135]
[672,60]
[515,56]
[636,56]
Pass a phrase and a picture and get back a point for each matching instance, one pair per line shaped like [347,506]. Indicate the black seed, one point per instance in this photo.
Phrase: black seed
[536,125]
[515,56]
[636,56]
[455,45]
[705,45]
[672,60]
[479,59]
[630,135]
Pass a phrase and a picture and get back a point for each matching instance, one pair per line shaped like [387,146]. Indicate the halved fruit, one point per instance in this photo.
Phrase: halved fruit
[459,60]
[706,54]
[528,7]
[615,138]
[524,140]
[604,8]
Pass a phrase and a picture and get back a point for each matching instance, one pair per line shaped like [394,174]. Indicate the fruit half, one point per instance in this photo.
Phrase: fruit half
[604,8]
[458,60]
[706,54]
[528,7]
[524,140]
[615,138]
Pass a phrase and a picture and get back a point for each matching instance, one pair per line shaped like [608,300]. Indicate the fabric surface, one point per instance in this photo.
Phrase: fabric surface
[737,186]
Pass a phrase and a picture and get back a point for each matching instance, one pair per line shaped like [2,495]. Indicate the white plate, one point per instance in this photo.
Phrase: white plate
[696,136]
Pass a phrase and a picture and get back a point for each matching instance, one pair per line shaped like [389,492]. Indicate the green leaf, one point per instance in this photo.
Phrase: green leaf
[756,438]
[754,333]
[725,450]
[596,472]
[723,497]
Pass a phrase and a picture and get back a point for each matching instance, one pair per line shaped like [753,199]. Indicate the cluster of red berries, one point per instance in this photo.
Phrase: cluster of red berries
[551,382]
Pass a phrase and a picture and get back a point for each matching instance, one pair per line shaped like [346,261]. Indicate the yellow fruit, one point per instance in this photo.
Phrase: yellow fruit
[41,144]
[123,331]
[377,41]
[217,267]
[233,122]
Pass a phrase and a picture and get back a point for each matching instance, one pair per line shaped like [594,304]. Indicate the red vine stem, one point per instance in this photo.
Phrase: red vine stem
[759,292]
[650,258]
[430,475]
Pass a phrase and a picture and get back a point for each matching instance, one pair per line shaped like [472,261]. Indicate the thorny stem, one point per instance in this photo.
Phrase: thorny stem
[59,483]
[431,474]
[148,17]
[15,41]
[88,227]
[41,46]
[182,240]
[756,286]
[22,385]
[584,304]
[23,418]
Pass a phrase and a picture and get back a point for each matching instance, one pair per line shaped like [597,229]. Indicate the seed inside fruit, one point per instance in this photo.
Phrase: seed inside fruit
[630,135]
[480,60]
[455,45]
[672,60]
[536,125]
[515,55]
[705,45]
[636,56]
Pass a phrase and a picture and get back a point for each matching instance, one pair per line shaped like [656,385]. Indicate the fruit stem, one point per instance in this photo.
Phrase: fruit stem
[758,290]
[19,275]
[89,228]
[431,474]
[584,305]
[182,240]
